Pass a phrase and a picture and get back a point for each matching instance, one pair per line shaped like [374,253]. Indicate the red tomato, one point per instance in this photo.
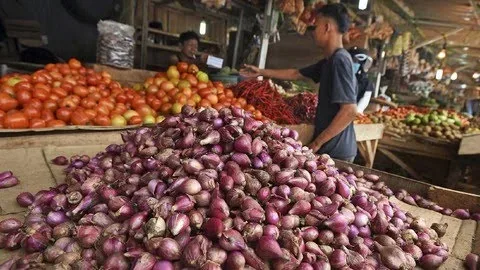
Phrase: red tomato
[79,117]
[95,96]
[102,110]
[54,97]
[47,115]
[64,114]
[56,75]
[88,103]
[121,98]
[2,116]
[60,92]
[23,96]
[16,120]
[156,104]
[42,86]
[114,85]
[55,123]
[37,123]
[74,63]
[80,91]
[50,105]
[31,112]
[144,110]
[36,103]
[91,114]
[40,94]
[7,102]
[92,80]
[138,102]
[135,120]
[50,67]
[65,69]
[102,120]
[67,86]
[105,93]
[4,88]
[182,67]
[23,86]
[69,101]
[107,103]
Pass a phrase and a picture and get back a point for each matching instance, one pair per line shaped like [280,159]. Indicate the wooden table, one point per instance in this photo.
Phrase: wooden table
[367,141]
[455,154]
[367,136]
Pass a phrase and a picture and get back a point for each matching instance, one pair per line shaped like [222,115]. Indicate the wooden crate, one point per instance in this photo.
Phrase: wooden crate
[36,152]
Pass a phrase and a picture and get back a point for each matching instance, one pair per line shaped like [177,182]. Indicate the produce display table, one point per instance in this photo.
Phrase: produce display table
[456,154]
[367,136]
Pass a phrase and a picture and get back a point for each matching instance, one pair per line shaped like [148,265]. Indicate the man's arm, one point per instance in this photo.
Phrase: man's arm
[344,117]
[281,74]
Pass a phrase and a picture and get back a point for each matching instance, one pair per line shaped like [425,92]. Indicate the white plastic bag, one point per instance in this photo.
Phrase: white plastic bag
[115,44]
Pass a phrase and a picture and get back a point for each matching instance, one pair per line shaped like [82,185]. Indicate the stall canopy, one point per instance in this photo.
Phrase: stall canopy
[455,21]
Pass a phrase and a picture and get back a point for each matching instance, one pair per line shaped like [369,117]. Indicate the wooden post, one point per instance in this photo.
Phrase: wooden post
[143,48]
[237,38]
[265,34]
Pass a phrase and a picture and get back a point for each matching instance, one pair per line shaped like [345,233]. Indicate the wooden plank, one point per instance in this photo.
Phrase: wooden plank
[60,139]
[421,149]
[463,243]
[476,241]
[469,145]
[457,199]
[449,199]
[452,263]
[127,77]
[453,229]
[365,132]
[28,164]
[401,163]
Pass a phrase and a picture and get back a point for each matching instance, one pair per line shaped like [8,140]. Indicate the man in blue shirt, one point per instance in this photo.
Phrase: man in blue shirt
[337,97]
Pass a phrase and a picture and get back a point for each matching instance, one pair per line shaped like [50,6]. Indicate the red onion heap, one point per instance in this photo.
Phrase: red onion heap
[213,190]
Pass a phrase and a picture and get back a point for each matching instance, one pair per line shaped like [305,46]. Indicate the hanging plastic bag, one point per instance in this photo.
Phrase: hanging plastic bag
[115,44]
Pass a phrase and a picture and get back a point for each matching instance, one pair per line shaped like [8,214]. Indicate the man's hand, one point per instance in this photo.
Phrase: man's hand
[315,146]
[203,57]
[250,71]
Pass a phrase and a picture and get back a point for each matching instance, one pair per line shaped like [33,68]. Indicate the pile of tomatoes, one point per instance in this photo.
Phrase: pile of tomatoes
[183,84]
[71,94]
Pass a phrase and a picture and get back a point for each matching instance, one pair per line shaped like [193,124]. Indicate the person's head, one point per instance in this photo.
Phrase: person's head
[332,22]
[361,60]
[189,43]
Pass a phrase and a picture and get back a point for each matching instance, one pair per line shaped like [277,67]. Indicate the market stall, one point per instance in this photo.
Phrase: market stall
[112,166]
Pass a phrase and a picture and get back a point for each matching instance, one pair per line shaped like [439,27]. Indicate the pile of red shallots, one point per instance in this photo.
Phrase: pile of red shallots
[215,190]
[304,106]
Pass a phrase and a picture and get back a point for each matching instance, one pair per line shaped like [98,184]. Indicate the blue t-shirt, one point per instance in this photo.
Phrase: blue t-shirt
[338,85]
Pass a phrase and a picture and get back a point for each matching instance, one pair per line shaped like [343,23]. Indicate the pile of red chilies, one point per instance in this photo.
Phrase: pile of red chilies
[266,99]
[215,190]
[304,106]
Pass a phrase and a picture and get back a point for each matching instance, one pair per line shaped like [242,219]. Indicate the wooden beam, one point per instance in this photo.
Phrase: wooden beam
[400,163]
[437,38]
[143,49]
